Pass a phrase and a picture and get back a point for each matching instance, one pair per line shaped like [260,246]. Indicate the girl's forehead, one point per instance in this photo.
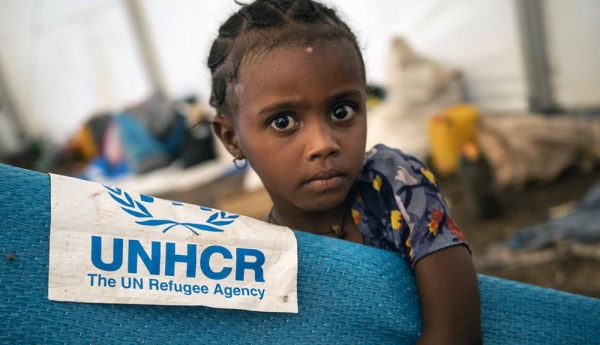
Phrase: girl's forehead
[294,56]
[310,74]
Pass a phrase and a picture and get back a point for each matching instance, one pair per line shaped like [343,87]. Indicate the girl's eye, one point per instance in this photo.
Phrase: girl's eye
[342,113]
[283,123]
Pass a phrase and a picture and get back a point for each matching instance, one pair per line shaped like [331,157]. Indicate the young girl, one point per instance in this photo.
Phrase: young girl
[288,84]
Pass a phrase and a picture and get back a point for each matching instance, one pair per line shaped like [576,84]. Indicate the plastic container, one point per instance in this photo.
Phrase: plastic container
[448,131]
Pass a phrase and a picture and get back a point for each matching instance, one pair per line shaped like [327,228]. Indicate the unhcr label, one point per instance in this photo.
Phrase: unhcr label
[112,246]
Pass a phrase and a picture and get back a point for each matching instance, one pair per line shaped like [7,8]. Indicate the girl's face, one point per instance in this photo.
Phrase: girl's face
[301,123]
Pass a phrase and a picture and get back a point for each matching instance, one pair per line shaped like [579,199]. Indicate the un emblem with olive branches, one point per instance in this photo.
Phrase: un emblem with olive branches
[137,209]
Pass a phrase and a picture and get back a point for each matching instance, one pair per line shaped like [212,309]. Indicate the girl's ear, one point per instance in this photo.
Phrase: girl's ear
[225,131]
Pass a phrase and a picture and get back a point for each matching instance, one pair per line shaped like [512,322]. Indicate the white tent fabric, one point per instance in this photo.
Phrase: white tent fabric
[65,59]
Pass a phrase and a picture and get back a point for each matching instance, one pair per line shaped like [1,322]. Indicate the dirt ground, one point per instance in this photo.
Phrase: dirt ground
[524,208]
[521,208]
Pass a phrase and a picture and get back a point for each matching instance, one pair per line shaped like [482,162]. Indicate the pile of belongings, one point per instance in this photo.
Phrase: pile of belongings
[142,138]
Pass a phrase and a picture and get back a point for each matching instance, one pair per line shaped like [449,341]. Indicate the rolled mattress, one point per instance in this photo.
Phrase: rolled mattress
[347,293]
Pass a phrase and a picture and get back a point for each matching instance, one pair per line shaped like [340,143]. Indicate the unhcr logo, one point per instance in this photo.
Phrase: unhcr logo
[136,208]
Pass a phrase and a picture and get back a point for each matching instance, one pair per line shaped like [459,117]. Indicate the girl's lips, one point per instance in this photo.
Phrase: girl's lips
[325,184]
[325,180]
[323,175]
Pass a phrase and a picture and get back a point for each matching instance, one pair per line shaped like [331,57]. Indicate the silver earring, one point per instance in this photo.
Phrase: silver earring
[242,165]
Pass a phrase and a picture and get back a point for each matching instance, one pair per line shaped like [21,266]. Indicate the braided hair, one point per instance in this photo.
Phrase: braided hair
[264,25]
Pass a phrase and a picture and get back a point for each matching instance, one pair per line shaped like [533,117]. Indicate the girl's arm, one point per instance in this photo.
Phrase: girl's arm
[449,293]
[401,188]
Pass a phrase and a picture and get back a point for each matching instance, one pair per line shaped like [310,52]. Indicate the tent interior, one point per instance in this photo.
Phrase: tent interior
[500,98]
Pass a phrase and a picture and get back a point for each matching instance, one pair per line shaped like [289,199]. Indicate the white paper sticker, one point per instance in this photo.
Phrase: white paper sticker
[112,246]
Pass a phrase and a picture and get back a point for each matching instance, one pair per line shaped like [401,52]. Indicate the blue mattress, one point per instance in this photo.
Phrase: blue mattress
[348,294]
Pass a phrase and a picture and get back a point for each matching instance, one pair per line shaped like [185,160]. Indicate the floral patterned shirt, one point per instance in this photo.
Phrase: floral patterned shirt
[398,206]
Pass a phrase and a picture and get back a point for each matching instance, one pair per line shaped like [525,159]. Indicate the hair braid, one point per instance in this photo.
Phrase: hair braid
[286,21]
[263,15]
[283,5]
[232,27]
[306,12]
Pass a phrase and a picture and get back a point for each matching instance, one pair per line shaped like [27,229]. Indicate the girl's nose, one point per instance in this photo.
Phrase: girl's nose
[321,142]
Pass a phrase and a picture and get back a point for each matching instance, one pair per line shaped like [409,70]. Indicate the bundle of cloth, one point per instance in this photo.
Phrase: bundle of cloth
[417,89]
[525,147]
[581,225]
[575,234]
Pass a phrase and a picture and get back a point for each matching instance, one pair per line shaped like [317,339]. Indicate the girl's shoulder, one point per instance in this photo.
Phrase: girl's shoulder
[394,165]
